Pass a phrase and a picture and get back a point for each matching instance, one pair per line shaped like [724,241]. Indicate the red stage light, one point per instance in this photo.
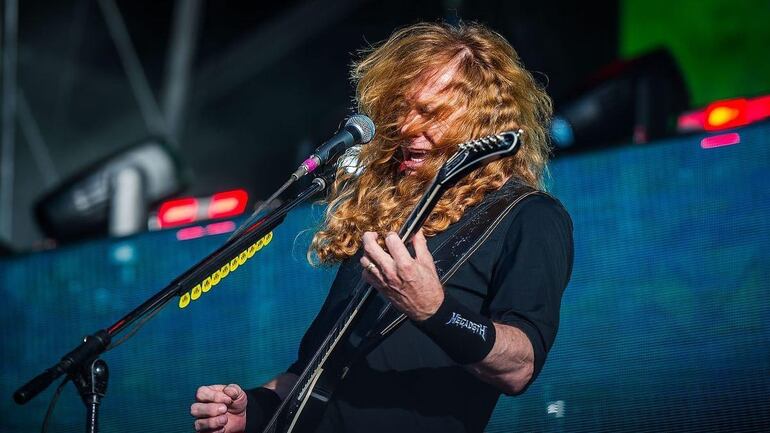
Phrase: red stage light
[726,114]
[720,140]
[189,210]
[178,212]
[220,227]
[730,113]
[758,108]
[691,121]
[188,233]
[228,204]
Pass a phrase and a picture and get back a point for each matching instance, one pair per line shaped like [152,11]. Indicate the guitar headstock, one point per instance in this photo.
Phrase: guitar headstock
[469,156]
[473,154]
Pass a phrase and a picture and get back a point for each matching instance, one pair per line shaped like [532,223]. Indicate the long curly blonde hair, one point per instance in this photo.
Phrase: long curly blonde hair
[489,92]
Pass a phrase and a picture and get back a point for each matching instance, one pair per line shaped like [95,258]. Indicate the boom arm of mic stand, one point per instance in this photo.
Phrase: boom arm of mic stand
[98,343]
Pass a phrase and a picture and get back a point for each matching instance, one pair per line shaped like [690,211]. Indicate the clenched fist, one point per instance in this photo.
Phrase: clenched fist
[219,409]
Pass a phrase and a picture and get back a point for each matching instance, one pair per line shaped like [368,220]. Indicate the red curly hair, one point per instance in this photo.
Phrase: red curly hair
[490,92]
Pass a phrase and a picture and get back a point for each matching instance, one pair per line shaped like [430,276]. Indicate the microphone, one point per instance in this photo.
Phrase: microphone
[359,129]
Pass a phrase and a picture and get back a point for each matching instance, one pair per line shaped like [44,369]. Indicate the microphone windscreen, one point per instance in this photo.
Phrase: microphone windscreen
[363,126]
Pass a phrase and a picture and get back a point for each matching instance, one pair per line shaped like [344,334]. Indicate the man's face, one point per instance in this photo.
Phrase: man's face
[416,148]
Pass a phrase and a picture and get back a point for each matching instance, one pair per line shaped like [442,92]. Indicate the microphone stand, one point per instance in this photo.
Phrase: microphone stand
[90,374]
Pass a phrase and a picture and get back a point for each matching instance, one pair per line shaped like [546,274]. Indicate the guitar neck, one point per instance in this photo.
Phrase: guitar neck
[422,210]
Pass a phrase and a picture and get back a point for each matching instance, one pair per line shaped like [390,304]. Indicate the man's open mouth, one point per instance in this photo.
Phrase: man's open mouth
[416,155]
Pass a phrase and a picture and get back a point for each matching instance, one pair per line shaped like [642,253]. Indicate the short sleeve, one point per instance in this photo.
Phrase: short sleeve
[532,272]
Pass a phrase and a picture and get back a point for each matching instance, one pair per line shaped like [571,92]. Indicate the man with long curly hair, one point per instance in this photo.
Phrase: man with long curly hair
[487,329]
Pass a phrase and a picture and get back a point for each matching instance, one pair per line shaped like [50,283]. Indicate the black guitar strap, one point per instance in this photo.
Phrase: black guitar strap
[451,254]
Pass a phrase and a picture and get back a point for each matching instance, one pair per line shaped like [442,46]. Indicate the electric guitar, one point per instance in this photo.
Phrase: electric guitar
[302,408]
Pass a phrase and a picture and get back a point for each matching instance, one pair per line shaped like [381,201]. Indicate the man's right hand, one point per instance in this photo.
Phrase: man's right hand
[219,409]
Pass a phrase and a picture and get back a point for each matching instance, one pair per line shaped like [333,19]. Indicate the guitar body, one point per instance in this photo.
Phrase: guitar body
[303,407]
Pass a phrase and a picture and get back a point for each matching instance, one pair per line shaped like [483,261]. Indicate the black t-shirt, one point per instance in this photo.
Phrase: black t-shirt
[407,383]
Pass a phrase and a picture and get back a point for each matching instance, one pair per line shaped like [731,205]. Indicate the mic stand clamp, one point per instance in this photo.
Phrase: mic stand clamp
[91,383]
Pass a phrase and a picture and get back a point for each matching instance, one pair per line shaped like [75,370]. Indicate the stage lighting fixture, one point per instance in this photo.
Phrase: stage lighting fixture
[636,99]
[726,114]
[187,210]
[111,196]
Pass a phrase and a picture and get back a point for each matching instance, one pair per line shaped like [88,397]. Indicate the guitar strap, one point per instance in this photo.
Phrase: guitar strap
[449,255]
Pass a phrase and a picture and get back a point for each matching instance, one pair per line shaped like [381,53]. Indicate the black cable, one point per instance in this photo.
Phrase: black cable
[130,333]
[52,404]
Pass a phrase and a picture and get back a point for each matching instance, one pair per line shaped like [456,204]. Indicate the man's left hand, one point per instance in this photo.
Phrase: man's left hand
[411,284]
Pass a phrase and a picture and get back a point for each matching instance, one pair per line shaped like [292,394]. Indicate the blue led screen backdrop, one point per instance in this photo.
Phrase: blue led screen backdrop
[665,324]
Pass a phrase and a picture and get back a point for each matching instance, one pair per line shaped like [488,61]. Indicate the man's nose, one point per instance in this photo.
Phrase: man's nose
[411,117]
